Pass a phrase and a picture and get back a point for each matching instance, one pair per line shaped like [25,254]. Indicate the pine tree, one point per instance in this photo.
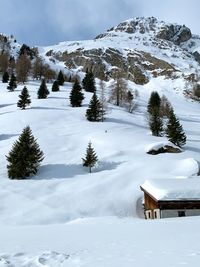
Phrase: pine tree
[156,123]
[94,111]
[5,77]
[60,78]
[76,95]
[174,131]
[55,86]
[154,102]
[12,83]
[24,157]
[43,91]
[91,158]
[24,99]
[89,82]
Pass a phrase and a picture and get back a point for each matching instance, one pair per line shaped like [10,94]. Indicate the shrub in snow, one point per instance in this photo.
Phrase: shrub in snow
[24,99]
[94,111]
[90,158]
[24,157]
[174,131]
[43,91]
[76,95]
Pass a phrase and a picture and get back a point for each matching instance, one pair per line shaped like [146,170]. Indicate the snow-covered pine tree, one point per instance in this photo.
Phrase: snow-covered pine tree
[90,158]
[24,99]
[55,86]
[43,91]
[156,123]
[25,156]
[76,95]
[89,82]
[94,111]
[154,102]
[60,78]
[174,131]
[5,77]
[12,83]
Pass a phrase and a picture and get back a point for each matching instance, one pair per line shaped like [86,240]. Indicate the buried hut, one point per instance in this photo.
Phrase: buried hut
[166,198]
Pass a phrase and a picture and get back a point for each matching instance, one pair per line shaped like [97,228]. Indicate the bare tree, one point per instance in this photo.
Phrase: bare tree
[38,68]
[4,61]
[119,90]
[49,74]
[103,100]
[23,67]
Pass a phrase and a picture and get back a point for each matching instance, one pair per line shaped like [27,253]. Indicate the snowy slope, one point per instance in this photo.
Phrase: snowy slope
[63,190]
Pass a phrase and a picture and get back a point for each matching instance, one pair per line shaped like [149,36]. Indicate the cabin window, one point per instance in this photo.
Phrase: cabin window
[148,214]
[181,213]
[155,215]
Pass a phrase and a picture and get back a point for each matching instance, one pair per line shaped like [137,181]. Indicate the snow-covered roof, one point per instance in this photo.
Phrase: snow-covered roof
[173,189]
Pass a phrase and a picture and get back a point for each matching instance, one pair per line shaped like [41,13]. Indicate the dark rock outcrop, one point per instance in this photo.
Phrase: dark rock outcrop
[165,149]
[175,33]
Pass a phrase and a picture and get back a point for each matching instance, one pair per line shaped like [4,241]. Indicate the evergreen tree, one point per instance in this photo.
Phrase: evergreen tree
[91,158]
[24,157]
[43,91]
[55,86]
[174,131]
[76,95]
[89,82]
[156,123]
[60,78]
[154,102]
[94,111]
[12,83]
[24,99]
[5,77]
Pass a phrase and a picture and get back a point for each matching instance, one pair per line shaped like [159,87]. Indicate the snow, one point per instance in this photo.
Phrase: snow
[101,242]
[173,189]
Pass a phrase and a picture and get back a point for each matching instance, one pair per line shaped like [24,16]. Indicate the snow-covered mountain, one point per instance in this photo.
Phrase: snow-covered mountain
[139,48]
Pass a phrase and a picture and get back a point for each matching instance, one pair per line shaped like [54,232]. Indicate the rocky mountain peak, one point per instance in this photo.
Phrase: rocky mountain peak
[153,27]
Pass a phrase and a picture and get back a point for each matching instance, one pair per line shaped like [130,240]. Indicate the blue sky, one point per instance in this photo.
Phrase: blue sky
[44,22]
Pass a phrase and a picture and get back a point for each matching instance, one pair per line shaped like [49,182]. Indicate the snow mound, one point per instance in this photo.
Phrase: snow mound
[190,167]
[156,146]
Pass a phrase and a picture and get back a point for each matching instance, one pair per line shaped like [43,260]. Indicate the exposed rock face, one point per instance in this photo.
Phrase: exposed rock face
[175,33]
[136,66]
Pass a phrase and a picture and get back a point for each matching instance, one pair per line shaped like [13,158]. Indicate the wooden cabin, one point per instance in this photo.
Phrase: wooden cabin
[166,198]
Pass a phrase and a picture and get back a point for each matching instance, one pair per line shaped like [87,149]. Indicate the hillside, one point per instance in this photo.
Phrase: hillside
[65,216]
